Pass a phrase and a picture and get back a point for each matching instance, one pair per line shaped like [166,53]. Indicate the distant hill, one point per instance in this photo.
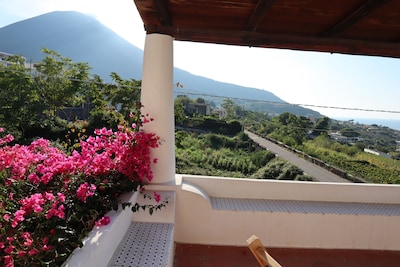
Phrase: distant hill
[84,39]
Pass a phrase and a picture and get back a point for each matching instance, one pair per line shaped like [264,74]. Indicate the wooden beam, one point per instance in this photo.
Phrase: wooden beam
[258,14]
[259,252]
[162,12]
[354,17]
[257,39]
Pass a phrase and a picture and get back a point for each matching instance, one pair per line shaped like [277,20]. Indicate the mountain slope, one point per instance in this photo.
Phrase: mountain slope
[84,39]
[74,35]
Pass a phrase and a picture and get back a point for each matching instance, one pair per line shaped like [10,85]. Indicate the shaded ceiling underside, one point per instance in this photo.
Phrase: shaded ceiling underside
[359,27]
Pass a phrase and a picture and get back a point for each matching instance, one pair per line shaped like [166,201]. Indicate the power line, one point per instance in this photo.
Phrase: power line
[285,103]
[38,74]
[219,96]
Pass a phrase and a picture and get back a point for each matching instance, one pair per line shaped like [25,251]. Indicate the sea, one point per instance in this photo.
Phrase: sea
[391,123]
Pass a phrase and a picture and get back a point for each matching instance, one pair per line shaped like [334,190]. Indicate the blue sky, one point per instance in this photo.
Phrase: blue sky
[311,78]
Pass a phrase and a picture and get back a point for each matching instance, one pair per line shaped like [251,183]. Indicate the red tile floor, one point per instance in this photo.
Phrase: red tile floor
[188,255]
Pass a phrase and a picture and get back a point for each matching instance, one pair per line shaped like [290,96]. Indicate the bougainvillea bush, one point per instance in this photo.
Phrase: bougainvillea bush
[50,199]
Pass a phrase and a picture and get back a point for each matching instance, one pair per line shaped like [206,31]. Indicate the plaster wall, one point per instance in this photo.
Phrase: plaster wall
[197,223]
[289,190]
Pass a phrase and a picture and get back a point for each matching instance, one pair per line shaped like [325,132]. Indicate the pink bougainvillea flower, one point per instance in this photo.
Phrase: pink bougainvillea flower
[6,139]
[33,252]
[124,153]
[10,239]
[28,240]
[46,247]
[6,217]
[61,197]
[60,212]
[157,197]
[33,203]
[48,196]
[9,261]
[56,211]
[45,240]
[85,190]
[103,221]
[21,254]
[18,217]
[9,249]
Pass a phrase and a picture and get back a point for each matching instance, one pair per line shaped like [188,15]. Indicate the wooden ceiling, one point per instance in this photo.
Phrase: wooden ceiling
[360,27]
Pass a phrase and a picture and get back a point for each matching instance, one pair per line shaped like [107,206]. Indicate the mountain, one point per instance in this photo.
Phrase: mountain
[84,39]
[77,36]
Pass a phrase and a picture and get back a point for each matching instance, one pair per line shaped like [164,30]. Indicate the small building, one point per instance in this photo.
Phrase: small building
[378,153]
[198,108]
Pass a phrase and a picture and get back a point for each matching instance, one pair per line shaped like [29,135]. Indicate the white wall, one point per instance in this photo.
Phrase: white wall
[197,223]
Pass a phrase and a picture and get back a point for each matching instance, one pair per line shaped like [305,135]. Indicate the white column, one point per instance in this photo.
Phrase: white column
[158,101]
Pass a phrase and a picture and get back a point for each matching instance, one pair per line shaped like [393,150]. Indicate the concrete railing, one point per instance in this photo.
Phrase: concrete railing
[99,247]
[226,211]
[132,239]
[290,190]
[197,220]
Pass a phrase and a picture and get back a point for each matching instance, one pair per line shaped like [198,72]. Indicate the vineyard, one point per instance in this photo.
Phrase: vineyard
[370,167]
[238,156]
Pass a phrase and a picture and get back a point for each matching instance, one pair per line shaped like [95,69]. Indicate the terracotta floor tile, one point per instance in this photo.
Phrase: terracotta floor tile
[189,255]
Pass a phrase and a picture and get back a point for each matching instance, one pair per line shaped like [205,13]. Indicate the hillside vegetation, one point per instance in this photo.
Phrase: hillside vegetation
[62,102]
[346,154]
[371,167]
[219,155]
[337,146]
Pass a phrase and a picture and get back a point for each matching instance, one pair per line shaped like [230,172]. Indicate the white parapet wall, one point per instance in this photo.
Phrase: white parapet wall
[136,239]
[302,225]
[101,243]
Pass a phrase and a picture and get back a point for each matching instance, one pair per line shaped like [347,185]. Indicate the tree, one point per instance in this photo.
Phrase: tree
[20,102]
[322,126]
[179,110]
[200,100]
[230,107]
[284,118]
[124,95]
[349,132]
[56,80]
[31,100]
[291,129]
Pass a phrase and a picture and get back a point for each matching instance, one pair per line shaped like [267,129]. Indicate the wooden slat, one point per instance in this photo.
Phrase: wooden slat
[259,252]
[359,27]
[355,16]
[306,43]
[162,12]
[258,14]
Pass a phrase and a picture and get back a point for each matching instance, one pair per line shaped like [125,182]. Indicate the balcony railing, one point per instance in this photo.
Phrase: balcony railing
[215,211]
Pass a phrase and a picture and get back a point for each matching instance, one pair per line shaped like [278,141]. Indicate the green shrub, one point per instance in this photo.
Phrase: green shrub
[261,157]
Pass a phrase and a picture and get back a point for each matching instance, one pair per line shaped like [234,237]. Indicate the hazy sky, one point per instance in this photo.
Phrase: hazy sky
[311,78]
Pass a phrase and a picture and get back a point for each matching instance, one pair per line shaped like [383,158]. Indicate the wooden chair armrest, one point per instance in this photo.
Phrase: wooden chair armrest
[259,252]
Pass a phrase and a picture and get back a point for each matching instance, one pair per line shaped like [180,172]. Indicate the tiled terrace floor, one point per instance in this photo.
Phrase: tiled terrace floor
[220,256]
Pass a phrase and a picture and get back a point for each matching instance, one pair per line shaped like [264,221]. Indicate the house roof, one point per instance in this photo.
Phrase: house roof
[360,27]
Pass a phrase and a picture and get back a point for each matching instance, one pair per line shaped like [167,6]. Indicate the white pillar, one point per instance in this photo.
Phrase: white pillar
[158,101]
